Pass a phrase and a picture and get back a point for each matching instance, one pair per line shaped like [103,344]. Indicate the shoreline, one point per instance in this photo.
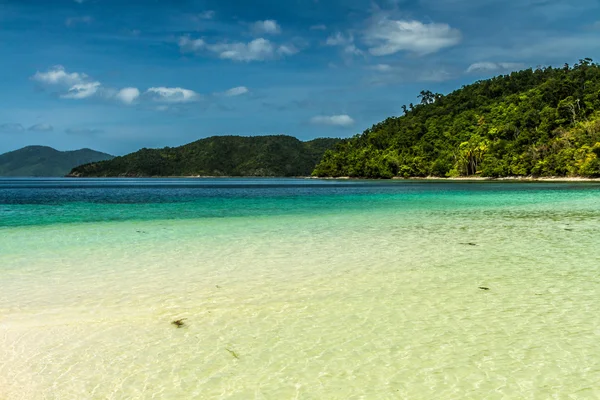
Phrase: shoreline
[474,179]
[510,178]
[396,178]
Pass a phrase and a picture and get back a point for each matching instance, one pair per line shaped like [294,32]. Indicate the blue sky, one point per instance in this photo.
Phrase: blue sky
[120,75]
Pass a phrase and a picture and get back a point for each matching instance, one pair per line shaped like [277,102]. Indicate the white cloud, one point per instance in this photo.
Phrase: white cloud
[11,128]
[41,128]
[269,27]
[493,67]
[257,50]
[188,45]
[338,39]
[172,95]
[58,76]
[334,120]
[78,85]
[128,95]
[352,50]
[82,90]
[387,37]
[345,42]
[78,20]
[237,91]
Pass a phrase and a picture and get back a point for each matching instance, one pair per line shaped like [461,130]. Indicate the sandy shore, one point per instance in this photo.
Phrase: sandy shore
[511,178]
[429,178]
[482,179]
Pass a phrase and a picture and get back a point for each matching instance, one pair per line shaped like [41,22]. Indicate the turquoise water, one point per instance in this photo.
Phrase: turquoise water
[298,289]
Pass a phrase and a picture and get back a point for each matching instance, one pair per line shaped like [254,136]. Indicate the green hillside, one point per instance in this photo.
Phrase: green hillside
[218,156]
[543,122]
[43,161]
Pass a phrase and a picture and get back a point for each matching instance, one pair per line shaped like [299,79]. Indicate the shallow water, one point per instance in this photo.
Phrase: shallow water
[298,289]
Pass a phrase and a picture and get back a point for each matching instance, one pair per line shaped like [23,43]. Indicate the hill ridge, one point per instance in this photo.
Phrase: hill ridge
[45,161]
[228,155]
[543,122]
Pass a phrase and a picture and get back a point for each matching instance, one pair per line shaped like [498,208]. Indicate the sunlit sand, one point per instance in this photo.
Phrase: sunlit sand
[375,296]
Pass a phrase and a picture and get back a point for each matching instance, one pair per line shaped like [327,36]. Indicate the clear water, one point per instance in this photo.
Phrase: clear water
[298,289]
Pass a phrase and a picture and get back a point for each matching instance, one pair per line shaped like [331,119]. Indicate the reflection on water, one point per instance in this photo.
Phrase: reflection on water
[372,292]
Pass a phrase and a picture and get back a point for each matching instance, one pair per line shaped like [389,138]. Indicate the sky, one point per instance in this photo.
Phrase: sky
[117,76]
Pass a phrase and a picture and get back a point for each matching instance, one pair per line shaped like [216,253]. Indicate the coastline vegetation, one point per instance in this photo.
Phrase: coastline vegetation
[541,123]
[217,156]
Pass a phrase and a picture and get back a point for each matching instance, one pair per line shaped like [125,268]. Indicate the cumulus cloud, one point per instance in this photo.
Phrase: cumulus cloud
[259,49]
[172,95]
[188,45]
[237,91]
[386,36]
[83,131]
[346,42]
[11,128]
[268,27]
[338,39]
[493,67]
[41,128]
[82,90]
[128,95]
[58,76]
[77,85]
[333,120]
[256,50]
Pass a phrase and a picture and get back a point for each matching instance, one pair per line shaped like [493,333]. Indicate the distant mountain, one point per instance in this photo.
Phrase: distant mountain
[217,156]
[45,161]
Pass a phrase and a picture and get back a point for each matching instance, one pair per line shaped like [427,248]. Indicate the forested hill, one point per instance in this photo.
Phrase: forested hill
[218,156]
[45,161]
[543,122]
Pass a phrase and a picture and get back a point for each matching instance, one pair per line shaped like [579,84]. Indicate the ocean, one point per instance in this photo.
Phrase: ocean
[298,289]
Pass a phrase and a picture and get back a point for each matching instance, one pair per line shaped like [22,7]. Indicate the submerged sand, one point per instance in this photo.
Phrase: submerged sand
[367,302]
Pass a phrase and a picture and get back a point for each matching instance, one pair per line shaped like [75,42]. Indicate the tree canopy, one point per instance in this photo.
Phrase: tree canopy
[217,156]
[542,122]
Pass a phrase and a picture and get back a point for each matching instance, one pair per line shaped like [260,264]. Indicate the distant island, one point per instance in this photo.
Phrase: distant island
[543,122]
[279,155]
[43,161]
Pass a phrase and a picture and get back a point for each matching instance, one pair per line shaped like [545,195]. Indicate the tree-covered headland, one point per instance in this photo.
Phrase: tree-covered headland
[217,156]
[535,122]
